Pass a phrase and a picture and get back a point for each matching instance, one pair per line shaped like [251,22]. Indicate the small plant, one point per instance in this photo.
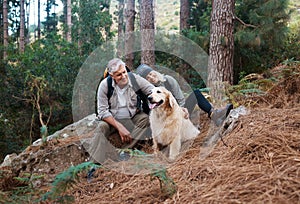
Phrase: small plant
[24,193]
[65,181]
[28,179]
[167,185]
[36,91]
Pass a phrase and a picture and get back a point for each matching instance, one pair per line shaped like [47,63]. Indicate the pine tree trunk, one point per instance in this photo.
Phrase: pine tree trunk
[5,29]
[79,31]
[47,25]
[27,23]
[147,32]
[69,21]
[22,25]
[220,63]
[184,24]
[39,20]
[184,14]
[129,35]
[65,11]
[120,28]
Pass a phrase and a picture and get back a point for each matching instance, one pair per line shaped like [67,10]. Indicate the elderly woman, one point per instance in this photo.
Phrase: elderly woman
[158,79]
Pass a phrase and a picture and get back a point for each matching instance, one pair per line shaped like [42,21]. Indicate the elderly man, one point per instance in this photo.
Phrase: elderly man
[119,112]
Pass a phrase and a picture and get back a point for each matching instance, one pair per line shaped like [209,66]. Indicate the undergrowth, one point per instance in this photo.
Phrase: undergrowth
[167,185]
[260,85]
[24,192]
[65,181]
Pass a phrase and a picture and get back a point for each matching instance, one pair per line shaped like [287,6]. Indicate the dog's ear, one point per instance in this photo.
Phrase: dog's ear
[171,100]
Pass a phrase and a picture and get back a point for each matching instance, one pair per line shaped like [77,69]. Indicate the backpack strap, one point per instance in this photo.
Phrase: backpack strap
[142,101]
[110,88]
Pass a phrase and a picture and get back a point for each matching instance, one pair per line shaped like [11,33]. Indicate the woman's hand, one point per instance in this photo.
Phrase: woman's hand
[186,114]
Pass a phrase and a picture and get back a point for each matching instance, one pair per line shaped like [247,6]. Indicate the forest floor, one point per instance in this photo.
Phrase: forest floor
[257,162]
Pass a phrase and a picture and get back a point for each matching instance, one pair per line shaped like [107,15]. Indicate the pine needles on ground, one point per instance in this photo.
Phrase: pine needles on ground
[64,181]
[167,185]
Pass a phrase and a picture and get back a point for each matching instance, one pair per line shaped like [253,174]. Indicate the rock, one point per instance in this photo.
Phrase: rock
[8,159]
[217,133]
[78,128]
[63,149]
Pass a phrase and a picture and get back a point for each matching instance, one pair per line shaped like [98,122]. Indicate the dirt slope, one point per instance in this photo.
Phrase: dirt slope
[259,161]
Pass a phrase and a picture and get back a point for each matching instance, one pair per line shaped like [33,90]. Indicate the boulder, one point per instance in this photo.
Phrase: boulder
[63,149]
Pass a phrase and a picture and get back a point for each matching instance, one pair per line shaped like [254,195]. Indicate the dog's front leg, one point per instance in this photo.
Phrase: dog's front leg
[155,146]
[175,148]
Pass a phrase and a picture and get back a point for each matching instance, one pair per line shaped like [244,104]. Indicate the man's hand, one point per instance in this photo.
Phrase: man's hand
[186,113]
[124,134]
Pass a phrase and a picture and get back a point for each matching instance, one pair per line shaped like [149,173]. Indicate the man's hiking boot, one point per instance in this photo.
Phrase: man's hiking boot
[124,156]
[219,115]
[90,174]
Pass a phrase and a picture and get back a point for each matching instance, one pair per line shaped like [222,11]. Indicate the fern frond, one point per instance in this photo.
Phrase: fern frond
[66,180]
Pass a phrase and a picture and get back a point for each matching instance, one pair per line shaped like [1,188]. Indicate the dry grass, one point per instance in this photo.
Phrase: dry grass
[260,165]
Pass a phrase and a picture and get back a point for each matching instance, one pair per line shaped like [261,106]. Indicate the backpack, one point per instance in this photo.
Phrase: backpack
[142,99]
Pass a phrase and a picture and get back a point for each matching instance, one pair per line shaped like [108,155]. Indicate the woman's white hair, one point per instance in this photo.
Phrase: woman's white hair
[114,65]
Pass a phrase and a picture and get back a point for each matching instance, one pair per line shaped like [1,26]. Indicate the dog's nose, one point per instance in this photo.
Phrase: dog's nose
[150,98]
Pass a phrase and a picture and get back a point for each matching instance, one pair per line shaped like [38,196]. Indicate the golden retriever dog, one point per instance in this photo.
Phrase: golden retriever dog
[168,124]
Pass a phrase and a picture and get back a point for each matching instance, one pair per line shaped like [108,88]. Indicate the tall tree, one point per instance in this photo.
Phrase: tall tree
[220,63]
[91,24]
[39,20]
[260,34]
[27,22]
[184,25]
[5,29]
[50,25]
[69,21]
[147,32]
[47,23]
[200,11]
[129,36]
[184,14]
[22,27]
[120,27]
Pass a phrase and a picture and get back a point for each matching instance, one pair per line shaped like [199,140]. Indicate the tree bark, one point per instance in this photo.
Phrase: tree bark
[120,28]
[79,29]
[183,25]
[184,14]
[27,23]
[22,27]
[39,20]
[5,29]
[69,21]
[147,32]
[221,50]
[129,35]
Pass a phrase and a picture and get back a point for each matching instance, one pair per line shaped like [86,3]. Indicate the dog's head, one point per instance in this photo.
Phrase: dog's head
[161,97]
